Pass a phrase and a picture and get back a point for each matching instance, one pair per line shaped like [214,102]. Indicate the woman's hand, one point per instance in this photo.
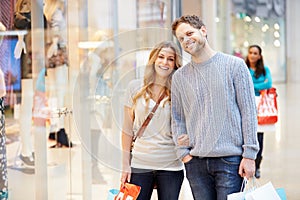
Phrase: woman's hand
[126,175]
[183,140]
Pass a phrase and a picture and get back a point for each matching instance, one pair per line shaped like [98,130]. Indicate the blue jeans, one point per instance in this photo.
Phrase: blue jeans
[168,183]
[214,178]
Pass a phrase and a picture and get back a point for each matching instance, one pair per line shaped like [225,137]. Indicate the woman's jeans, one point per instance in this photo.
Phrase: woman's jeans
[168,183]
[214,178]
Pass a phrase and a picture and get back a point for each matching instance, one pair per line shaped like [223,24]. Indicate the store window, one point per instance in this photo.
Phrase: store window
[106,44]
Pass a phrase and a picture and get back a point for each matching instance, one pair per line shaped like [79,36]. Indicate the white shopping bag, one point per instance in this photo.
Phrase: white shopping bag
[236,196]
[239,195]
[251,190]
[264,192]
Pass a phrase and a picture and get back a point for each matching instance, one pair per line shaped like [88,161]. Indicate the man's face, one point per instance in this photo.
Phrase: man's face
[190,38]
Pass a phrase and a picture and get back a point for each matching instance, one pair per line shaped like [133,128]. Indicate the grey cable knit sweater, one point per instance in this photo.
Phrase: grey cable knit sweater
[214,103]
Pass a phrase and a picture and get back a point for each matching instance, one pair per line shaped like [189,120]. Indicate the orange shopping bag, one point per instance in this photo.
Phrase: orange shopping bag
[128,192]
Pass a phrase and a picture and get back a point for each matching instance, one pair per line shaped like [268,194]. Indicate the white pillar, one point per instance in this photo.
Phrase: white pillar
[292,40]
[38,63]
[209,13]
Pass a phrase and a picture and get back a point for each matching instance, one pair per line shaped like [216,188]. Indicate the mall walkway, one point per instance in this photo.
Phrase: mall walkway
[281,160]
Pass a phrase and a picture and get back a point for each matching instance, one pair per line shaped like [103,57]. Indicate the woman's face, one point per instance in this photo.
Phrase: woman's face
[165,62]
[253,55]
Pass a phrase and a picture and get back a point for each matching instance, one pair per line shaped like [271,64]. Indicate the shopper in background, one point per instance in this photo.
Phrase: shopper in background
[154,160]
[262,80]
[213,103]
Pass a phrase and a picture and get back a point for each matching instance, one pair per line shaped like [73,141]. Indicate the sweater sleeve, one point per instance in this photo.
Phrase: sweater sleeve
[267,82]
[246,102]
[178,117]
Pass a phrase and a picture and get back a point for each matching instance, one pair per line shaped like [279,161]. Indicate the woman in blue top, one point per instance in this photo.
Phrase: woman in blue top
[262,79]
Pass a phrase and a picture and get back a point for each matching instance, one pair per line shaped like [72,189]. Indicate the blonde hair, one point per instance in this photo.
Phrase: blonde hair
[149,77]
[18,6]
[51,6]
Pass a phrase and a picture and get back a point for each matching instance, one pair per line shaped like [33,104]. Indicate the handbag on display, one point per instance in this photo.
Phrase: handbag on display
[128,191]
[267,111]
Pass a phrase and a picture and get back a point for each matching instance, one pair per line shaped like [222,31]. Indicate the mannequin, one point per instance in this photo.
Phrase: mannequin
[57,73]
[22,21]
[96,63]
[3,159]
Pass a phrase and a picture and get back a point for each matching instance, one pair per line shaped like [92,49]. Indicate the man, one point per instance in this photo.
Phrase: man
[213,105]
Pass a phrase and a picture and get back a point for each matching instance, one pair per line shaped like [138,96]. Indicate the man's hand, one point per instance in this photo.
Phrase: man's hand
[247,168]
[187,158]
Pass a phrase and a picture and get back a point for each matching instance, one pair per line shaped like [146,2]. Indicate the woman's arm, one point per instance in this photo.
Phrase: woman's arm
[267,84]
[127,136]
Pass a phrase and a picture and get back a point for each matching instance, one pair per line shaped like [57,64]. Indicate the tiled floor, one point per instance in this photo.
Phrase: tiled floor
[67,180]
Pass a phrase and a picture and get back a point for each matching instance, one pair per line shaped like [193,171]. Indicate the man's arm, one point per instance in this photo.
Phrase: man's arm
[246,103]
[244,91]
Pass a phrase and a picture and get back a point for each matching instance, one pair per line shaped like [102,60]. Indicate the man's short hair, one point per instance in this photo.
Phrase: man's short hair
[192,20]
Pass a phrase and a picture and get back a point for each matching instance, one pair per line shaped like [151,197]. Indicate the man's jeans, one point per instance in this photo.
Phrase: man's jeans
[214,178]
[168,183]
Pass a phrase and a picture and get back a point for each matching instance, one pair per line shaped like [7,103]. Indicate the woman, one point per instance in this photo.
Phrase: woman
[153,161]
[262,80]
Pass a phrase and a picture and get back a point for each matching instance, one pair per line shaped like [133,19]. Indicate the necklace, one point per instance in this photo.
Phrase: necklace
[157,92]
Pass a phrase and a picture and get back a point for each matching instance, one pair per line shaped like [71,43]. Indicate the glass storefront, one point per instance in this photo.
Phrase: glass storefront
[76,96]
[67,88]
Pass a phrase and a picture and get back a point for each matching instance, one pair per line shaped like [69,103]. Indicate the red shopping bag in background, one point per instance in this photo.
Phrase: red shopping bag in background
[267,112]
[128,192]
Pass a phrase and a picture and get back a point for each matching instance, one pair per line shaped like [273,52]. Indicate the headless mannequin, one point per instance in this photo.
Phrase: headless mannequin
[57,74]
[22,21]
[95,128]
[95,62]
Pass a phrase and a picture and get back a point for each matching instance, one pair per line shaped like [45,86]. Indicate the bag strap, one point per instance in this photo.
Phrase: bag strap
[149,117]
